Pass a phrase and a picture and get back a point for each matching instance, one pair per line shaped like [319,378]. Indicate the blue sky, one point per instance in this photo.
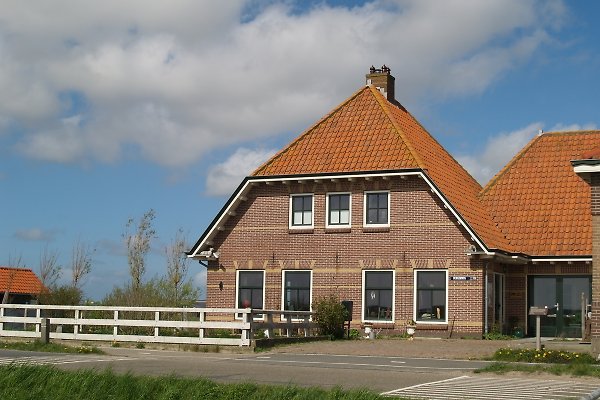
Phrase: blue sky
[112,108]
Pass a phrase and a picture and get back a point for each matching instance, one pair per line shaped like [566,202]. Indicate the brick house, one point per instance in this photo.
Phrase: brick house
[366,204]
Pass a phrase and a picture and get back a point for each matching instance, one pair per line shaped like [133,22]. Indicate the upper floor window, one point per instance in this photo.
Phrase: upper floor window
[301,213]
[338,209]
[377,206]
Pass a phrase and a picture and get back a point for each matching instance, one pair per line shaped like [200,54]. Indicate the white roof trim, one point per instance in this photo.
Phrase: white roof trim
[585,169]
[252,180]
[564,259]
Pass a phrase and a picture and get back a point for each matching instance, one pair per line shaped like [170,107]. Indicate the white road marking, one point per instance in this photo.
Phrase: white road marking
[352,364]
[483,388]
[59,360]
[424,384]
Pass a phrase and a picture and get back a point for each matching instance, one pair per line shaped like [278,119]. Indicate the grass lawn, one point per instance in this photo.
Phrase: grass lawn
[50,347]
[555,362]
[49,383]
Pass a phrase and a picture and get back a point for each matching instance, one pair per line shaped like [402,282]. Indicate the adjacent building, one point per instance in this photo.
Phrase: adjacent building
[367,205]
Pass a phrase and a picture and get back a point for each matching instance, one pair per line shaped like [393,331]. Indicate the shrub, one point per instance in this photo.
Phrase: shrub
[329,314]
[543,356]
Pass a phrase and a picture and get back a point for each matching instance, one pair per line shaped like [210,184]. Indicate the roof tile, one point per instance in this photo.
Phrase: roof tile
[539,194]
[19,280]
[369,124]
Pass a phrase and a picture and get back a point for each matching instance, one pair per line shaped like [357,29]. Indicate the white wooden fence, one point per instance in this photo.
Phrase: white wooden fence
[150,324]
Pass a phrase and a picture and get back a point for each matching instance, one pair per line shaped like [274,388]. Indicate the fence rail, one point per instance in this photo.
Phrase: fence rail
[151,324]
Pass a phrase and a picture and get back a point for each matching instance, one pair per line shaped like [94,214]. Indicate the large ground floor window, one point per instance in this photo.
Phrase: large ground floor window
[251,285]
[378,295]
[296,290]
[431,294]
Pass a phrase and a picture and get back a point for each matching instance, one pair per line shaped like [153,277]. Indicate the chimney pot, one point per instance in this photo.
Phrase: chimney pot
[383,80]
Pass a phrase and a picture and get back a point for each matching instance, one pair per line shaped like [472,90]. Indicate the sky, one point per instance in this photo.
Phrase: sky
[109,109]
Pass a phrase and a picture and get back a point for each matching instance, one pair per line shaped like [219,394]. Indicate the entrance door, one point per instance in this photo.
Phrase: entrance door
[562,296]
[498,310]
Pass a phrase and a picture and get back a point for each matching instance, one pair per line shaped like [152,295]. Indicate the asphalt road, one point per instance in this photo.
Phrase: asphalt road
[377,373]
[395,376]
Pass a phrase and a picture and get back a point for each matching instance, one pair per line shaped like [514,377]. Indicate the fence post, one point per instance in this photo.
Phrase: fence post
[270,333]
[115,327]
[247,331]
[1,317]
[38,316]
[76,325]
[156,319]
[45,330]
[288,320]
[202,318]
[306,329]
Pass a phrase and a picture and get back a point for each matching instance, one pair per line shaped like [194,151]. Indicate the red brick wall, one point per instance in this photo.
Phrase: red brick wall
[423,234]
[595,188]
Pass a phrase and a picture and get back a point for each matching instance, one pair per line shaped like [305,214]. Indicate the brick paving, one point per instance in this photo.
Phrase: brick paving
[426,348]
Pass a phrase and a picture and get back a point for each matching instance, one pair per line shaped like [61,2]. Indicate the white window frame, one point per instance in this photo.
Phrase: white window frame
[349,224]
[365,209]
[432,322]
[363,299]
[291,212]
[237,290]
[283,289]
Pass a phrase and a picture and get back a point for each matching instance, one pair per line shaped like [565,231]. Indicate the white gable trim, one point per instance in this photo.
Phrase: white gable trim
[249,182]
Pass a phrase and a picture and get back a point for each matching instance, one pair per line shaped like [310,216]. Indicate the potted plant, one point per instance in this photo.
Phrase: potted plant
[411,327]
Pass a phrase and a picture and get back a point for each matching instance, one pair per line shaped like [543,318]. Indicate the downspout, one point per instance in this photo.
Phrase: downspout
[485,291]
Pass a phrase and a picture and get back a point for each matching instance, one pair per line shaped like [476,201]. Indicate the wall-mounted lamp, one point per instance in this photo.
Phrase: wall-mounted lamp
[221,286]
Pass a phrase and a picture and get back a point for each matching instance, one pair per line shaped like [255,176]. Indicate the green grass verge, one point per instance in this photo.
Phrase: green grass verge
[555,369]
[46,382]
[50,347]
[543,356]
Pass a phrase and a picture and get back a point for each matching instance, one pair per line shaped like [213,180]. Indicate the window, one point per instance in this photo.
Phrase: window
[250,289]
[378,295]
[377,208]
[296,290]
[301,211]
[338,209]
[431,295]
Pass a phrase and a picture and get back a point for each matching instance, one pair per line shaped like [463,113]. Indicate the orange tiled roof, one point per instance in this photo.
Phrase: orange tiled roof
[19,280]
[591,154]
[369,133]
[537,200]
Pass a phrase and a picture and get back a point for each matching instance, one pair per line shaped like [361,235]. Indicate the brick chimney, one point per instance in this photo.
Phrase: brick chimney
[383,80]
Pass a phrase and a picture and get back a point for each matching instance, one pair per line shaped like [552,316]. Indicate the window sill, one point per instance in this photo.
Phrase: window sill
[338,230]
[301,230]
[375,229]
[442,326]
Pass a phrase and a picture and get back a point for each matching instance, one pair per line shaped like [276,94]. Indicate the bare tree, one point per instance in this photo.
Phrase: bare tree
[50,270]
[14,262]
[177,267]
[137,238]
[81,263]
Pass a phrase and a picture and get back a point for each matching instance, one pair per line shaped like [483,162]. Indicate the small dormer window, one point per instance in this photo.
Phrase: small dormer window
[301,212]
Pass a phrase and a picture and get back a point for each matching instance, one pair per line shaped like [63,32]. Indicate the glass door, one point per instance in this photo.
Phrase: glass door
[562,296]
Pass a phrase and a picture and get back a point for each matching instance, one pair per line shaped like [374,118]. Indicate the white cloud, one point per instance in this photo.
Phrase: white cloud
[502,147]
[223,178]
[36,234]
[177,79]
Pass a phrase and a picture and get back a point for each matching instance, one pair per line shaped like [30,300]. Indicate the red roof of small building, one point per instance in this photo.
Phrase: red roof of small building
[19,280]
[369,133]
[538,201]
